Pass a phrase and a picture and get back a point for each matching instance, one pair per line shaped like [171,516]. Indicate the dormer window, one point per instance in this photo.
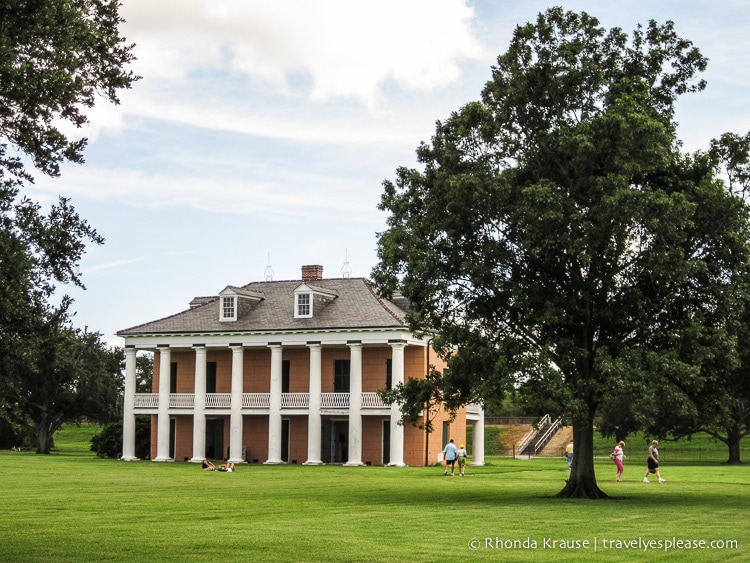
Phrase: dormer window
[310,300]
[229,308]
[304,310]
[237,302]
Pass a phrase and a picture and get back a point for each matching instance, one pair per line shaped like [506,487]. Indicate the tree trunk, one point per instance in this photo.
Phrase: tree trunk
[734,435]
[582,480]
[43,435]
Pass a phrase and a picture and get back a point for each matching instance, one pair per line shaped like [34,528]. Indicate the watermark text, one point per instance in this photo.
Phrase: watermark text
[600,543]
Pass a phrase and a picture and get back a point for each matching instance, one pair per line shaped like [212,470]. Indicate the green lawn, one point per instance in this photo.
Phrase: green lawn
[71,506]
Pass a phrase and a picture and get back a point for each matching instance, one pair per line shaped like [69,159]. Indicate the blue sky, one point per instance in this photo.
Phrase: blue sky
[261,132]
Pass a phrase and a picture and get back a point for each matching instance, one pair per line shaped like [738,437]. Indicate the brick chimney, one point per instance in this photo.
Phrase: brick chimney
[312,272]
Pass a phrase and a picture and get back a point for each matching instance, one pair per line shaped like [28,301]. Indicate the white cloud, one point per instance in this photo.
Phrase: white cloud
[347,49]
[114,264]
[262,193]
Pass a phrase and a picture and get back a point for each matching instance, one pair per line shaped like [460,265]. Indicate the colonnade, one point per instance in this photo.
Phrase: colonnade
[274,416]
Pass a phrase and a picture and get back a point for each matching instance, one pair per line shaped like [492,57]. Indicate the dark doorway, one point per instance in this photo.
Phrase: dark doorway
[172,436]
[386,441]
[335,441]
[285,429]
[214,438]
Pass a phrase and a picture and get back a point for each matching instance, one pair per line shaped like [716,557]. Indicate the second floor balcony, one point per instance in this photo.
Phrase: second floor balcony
[148,403]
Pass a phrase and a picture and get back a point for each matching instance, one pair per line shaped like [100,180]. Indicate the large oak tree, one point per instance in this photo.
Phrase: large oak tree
[57,59]
[64,374]
[557,235]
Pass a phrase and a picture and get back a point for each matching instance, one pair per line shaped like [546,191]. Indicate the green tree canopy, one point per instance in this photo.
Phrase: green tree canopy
[558,236]
[62,375]
[57,59]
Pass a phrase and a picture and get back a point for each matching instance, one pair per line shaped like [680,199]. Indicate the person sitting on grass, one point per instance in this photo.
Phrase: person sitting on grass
[207,465]
[228,467]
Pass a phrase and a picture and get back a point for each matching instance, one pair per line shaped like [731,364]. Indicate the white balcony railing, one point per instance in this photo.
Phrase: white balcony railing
[218,400]
[257,401]
[181,400]
[334,400]
[372,401]
[295,400]
[146,401]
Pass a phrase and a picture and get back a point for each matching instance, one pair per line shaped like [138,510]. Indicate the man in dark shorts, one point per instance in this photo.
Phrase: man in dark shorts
[450,455]
[653,462]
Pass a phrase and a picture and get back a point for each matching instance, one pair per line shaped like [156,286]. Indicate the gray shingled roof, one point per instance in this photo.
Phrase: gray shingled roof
[357,306]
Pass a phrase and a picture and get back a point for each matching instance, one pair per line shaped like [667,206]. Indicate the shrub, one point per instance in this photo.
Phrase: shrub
[108,443]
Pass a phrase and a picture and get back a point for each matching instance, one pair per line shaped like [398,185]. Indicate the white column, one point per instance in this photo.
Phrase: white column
[314,421]
[128,420]
[477,440]
[397,430]
[355,404]
[235,417]
[274,412]
[162,425]
[199,405]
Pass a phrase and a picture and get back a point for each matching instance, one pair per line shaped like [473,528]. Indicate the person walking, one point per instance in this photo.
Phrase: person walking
[462,455]
[618,455]
[450,453]
[653,462]
[569,454]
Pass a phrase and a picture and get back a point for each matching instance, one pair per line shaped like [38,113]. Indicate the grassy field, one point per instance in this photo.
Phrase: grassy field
[71,506]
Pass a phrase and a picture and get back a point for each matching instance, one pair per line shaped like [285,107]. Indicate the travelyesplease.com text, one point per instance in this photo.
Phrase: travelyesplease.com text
[600,544]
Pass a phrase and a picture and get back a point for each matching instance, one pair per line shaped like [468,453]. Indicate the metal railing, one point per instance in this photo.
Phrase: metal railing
[526,440]
[548,433]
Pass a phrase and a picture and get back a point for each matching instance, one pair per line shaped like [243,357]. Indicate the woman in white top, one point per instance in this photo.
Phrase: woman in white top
[618,455]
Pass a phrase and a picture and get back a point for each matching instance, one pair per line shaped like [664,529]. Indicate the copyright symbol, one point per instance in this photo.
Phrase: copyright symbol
[474,544]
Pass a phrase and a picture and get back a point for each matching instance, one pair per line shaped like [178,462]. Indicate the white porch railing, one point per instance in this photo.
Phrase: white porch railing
[372,401]
[295,400]
[257,401]
[218,400]
[334,400]
[146,401]
[181,400]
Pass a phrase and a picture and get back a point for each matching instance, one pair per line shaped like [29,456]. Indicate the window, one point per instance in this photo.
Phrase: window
[285,370]
[210,377]
[304,308]
[228,309]
[389,373]
[173,377]
[341,376]
[311,300]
